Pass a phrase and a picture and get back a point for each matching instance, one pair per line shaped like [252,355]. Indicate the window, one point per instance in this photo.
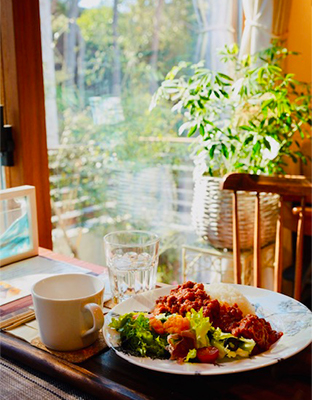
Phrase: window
[113,164]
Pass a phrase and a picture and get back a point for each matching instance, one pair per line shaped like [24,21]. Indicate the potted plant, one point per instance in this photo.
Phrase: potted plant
[246,121]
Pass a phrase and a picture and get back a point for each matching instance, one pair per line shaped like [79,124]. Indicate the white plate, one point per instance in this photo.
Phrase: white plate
[284,314]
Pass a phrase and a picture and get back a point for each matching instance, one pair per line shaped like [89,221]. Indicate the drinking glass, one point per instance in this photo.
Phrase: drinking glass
[132,260]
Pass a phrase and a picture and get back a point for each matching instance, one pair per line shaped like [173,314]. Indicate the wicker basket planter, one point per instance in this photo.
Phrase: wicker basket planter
[212,214]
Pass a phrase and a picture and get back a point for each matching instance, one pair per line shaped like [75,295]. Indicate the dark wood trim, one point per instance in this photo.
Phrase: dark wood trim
[79,377]
[24,104]
[283,185]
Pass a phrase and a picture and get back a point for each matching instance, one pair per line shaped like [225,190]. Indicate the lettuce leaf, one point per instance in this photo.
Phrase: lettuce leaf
[201,326]
[219,340]
[190,355]
[136,338]
[247,344]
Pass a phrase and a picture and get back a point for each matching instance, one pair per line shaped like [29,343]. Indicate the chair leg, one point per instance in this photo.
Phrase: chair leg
[236,244]
[257,262]
[299,252]
[279,250]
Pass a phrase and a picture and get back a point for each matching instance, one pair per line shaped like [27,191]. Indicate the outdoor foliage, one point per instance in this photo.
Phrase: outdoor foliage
[246,121]
[118,50]
[122,37]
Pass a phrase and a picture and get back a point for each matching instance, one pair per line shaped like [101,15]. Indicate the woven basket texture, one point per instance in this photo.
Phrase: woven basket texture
[212,214]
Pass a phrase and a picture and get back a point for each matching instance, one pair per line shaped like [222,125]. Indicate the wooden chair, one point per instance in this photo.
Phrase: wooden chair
[290,188]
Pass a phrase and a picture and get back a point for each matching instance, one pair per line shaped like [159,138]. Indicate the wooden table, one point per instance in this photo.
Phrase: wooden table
[107,376]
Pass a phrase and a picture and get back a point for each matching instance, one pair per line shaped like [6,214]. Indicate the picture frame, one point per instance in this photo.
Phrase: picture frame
[18,224]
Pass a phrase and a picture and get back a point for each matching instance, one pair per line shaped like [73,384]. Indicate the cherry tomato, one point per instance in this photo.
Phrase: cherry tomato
[207,354]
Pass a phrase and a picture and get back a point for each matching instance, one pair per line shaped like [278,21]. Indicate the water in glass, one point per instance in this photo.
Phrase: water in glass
[132,273]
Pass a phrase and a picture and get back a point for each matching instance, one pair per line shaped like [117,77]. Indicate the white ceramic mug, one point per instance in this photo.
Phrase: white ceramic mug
[68,309]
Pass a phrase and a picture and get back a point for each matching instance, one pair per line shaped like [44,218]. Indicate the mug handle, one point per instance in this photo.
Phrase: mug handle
[98,318]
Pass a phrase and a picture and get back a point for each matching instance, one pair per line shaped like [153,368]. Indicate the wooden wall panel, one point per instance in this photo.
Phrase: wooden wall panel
[24,104]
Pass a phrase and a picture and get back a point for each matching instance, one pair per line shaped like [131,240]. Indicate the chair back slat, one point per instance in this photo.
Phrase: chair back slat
[290,188]
[236,242]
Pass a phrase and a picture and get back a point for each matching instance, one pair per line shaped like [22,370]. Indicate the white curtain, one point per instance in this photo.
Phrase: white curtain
[258,26]
[264,20]
[49,74]
[217,22]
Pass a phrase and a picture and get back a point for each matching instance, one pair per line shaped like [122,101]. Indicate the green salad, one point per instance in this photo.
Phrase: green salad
[137,338]
[187,339]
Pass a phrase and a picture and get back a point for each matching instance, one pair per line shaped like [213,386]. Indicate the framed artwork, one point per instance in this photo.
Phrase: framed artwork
[18,224]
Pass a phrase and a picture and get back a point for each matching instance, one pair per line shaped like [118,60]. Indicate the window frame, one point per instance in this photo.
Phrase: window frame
[22,93]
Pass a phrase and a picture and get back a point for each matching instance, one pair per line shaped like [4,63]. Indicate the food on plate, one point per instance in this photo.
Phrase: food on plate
[196,322]
[226,293]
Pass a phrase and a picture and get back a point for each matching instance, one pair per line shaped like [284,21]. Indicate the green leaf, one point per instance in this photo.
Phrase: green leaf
[200,325]
[239,165]
[293,157]
[201,130]
[266,103]
[260,74]
[225,94]
[267,143]
[248,140]
[225,76]
[256,147]
[246,128]
[274,68]
[218,80]
[200,104]
[190,355]
[192,131]
[212,150]
[209,122]
[292,85]
[224,150]
[271,121]
[300,131]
